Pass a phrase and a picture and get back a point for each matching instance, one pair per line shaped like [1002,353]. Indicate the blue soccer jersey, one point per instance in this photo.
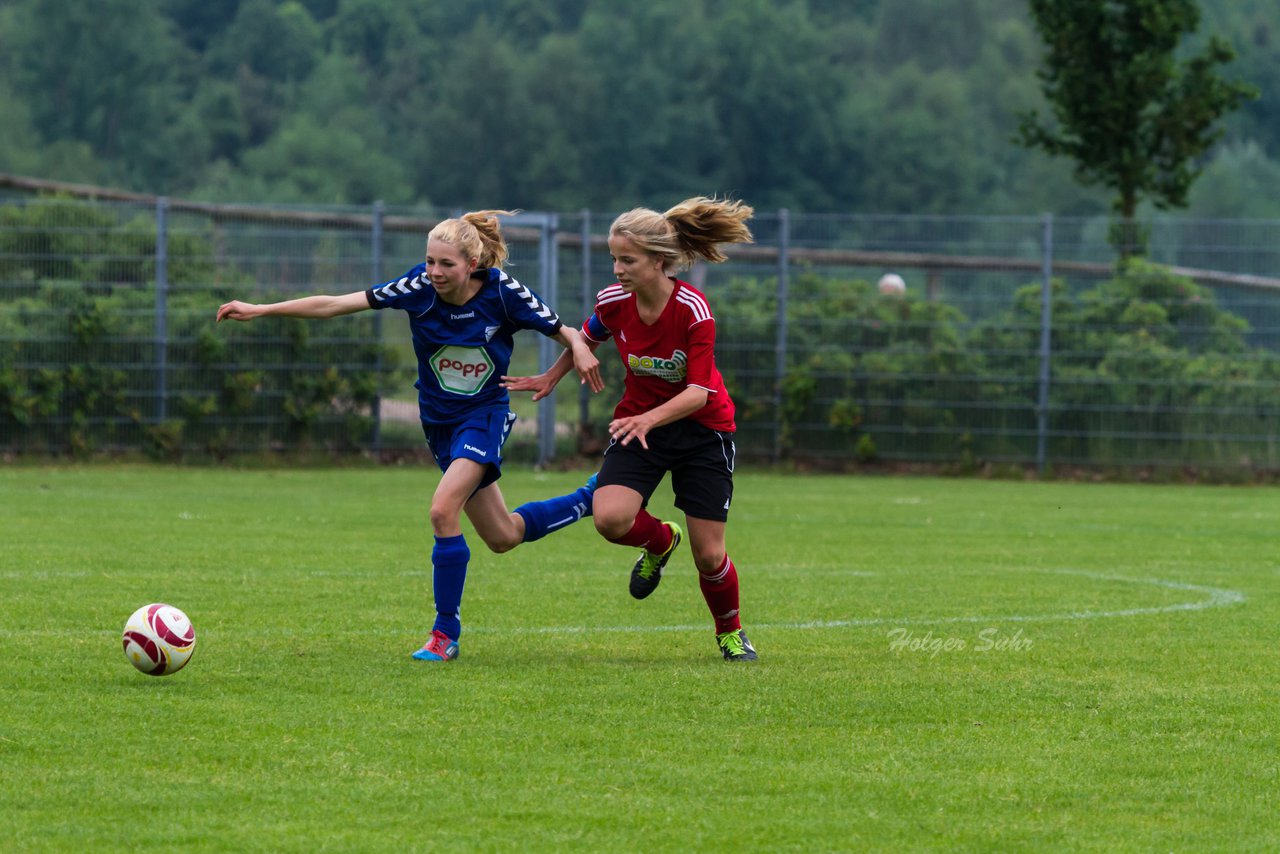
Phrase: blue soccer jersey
[463,350]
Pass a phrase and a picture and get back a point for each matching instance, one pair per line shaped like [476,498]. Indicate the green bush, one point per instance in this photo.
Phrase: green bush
[80,362]
[1145,367]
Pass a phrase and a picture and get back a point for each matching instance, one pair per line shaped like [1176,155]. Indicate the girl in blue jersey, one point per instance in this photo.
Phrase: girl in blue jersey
[463,312]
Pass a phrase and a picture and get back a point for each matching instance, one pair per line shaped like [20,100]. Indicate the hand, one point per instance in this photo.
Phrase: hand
[237,310]
[541,385]
[631,427]
[588,368]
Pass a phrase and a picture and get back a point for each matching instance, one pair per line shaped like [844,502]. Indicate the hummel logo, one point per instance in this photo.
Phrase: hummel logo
[476,450]
[462,316]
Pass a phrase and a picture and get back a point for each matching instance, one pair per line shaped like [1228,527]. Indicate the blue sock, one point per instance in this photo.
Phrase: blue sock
[543,517]
[449,560]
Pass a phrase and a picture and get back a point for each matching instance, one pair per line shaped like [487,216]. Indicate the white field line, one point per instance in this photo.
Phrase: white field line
[1215,597]
[1212,597]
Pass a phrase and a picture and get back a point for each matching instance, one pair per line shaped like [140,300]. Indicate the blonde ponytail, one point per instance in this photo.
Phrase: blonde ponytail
[692,230]
[476,235]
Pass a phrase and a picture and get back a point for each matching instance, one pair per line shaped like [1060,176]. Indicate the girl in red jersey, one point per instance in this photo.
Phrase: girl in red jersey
[675,414]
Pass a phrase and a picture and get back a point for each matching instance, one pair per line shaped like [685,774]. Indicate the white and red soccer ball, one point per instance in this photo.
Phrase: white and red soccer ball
[159,639]
[892,285]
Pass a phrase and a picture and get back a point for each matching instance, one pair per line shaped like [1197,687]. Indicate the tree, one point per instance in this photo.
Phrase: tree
[1240,182]
[1131,114]
[279,42]
[773,72]
[106,74]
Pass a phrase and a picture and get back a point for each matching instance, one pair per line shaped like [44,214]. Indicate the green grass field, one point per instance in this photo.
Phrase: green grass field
[956,664]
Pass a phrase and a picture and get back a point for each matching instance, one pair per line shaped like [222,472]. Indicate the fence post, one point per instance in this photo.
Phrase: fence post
[780,340]
[1046,329]
[375,252]
[584,393]
[162,309]
[548,273]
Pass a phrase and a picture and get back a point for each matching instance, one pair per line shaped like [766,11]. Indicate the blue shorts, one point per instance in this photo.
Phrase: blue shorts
[479,438]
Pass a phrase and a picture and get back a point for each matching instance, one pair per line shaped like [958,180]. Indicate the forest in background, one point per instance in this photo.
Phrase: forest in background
[816,105]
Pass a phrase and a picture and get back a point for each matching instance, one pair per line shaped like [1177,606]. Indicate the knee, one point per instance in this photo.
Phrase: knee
[442,518]
[613,526]
[708,560]
[498,544]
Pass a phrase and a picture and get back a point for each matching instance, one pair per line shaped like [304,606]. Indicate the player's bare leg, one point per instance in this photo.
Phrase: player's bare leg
[503,530]
[621,518]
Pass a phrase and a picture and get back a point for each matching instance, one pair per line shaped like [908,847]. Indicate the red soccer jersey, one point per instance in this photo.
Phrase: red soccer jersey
[664,358]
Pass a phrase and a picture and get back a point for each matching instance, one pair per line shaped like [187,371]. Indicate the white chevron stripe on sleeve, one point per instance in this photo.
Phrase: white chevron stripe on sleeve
[536,305]
[403,285]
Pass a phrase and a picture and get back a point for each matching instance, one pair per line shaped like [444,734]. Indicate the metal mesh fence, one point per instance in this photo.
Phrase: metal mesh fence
[1019,340]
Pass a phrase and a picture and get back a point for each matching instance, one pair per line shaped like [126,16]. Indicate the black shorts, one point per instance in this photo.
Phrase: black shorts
[700,461]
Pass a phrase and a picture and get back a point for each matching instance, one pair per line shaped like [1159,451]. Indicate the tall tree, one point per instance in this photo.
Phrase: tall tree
[107,74]
[1132,115]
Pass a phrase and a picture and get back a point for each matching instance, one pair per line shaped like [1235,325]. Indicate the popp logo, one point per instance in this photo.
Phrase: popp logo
[462,370]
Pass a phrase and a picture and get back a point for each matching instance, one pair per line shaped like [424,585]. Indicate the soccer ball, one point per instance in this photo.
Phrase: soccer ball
[159,639]
[891,284]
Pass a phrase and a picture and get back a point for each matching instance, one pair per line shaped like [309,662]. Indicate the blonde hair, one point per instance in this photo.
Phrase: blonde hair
[693,229]
[475,235]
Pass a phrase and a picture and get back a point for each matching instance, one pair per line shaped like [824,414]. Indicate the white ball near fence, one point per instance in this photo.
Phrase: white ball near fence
[891,284]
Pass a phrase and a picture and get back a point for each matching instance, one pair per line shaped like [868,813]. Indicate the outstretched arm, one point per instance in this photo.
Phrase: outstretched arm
[310,307]
[544,383]
[584,357]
